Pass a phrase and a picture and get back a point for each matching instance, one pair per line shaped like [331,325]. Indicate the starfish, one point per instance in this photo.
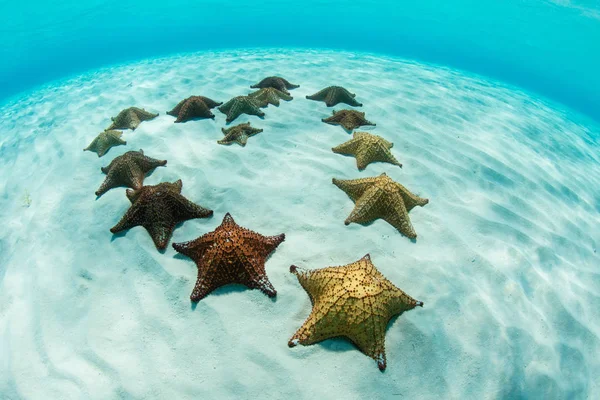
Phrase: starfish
[269,96]
[128,170]
[367,148]
[355,301]
[159,208]
[104,141]
[239,134]
[381,197]
[130,118]
[241,105]
[348,119]
[275,82]
[230,254]
[194,107]
[333,95]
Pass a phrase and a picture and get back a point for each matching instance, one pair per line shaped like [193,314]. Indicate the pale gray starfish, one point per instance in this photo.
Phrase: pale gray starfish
[275,82]
[333,95]
[241,105]
[269,96]
[239,134]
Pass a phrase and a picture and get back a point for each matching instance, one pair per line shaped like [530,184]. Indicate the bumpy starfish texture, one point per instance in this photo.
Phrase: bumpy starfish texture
[129,170]
[381,197]
[275,82]
[367,148]
[241,105]
[239,134]
[159,209]
[348,119]
[333,95]
[194,107]
[354,301]
[130,118]
[230,254]
[104,141]
[269,96]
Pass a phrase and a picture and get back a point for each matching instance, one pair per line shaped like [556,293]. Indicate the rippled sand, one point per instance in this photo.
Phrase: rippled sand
[506,258]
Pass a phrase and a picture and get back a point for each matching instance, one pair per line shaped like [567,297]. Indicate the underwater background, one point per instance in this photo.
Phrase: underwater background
[492,108]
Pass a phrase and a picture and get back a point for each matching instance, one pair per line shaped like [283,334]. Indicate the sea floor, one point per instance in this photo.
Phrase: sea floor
[505,260]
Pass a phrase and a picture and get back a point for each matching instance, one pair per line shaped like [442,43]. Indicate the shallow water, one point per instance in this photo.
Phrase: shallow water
[505,260]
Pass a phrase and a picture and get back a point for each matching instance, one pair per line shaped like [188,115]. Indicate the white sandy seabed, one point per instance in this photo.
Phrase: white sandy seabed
[506,259]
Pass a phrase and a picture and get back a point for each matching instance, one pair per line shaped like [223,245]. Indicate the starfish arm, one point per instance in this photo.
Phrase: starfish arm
[350,124]
[367,208]
[289,85]
[93,146]
[109,183]
[410,200]
[354,188]
[313,330]
[133,122]
[142,114]
[382,153]
[133,217]
[348,98]
[175,111]
[210,103]
[320,95]
[161,232]
[399,219]
[335,119]
[196,248]
[348,148]
[182,209]
[227,106]
[369,337]
[242,139]
[147,164]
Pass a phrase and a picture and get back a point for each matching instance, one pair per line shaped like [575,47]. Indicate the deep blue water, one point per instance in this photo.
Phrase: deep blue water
[551,47]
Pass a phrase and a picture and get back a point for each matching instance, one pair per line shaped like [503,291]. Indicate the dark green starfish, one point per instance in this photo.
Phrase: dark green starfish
[194,107]
[104,141]
[268,96]
[241,105]
[349,119]
[333,95]
[130,118]
[129,170]
[239,134]
[275,82]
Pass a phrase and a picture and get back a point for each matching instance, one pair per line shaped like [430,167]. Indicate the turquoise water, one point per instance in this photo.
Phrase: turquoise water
[548,46]
[492,109]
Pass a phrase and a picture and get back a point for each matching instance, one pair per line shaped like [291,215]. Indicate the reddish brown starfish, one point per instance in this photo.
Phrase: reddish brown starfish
[159,209]
[128,170]
[230,254]
[193,107]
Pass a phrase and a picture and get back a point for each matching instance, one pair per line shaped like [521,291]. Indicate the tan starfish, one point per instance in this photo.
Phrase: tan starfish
[230,254]
[348,119]
[269,96]
[367,148]
[381,197]
[354,301]
[159,208]
[239,134]
[131,118]
[333,95]
[104,141]
[129,170]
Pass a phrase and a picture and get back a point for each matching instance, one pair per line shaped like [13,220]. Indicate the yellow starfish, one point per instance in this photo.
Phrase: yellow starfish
[381,197]
[367,148]
[355,301]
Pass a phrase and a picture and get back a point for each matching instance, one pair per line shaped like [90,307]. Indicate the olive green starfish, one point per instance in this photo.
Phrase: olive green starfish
[348,119]
[381,197]
[241,105]
[194,107]
[354,301]
[129,170]
[130,118]
[104,141]
[333,95]
[268,96]
[275,82]
[239,134]
[367,148]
